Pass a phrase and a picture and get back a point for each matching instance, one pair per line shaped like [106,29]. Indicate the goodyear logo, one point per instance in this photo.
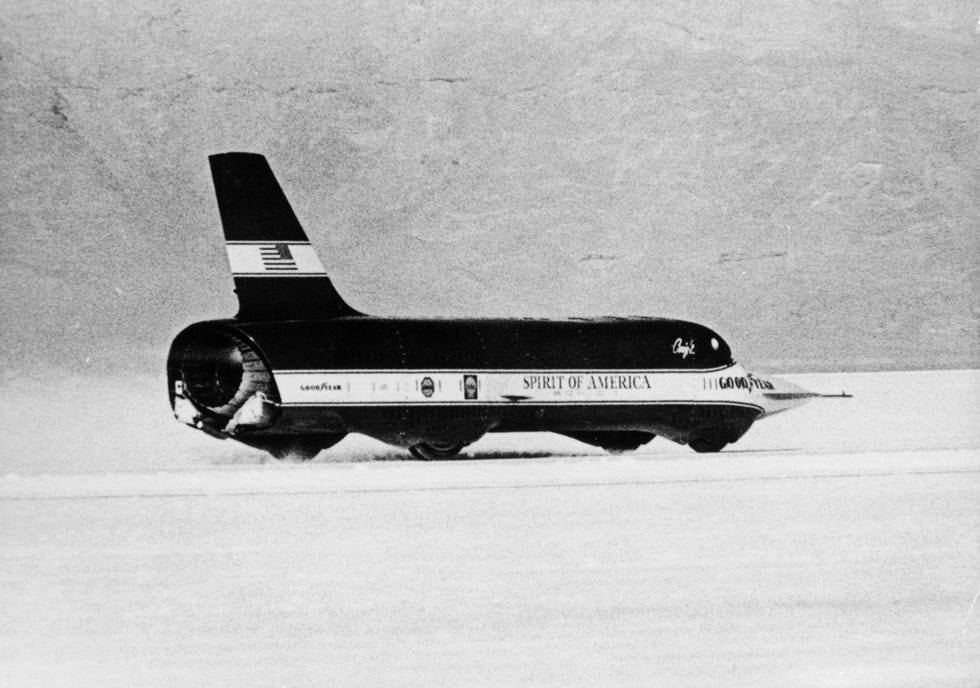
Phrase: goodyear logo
[748,383]
[321,387]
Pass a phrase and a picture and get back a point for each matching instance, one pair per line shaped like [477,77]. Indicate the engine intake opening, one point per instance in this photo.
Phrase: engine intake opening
[212,370]
[219,371]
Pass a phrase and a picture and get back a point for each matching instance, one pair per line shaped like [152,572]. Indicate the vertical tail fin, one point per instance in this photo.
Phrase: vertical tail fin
[278,275]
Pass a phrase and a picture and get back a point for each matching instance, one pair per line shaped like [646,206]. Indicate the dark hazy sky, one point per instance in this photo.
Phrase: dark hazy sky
[801,176]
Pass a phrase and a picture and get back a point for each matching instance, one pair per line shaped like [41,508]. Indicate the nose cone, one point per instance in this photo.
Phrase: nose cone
[783,396]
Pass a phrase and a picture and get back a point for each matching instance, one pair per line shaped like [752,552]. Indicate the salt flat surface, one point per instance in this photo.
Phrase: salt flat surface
[835,545]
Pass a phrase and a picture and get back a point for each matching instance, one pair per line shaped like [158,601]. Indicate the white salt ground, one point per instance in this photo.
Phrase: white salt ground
[835,545]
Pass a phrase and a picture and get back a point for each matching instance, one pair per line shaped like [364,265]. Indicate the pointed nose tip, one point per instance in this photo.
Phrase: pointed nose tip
[784,395]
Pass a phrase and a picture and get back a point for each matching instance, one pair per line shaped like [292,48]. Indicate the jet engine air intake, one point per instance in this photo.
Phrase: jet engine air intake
[219,372]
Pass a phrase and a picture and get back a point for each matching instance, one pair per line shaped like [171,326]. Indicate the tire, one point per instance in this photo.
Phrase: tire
[426,451]
[299,449]
[613,441]
[621,449]
[295,450]
[707,445]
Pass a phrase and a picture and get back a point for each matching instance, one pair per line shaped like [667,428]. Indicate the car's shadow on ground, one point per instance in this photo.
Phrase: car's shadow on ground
[779,450]
[332,456]
[397,455]
[252,458]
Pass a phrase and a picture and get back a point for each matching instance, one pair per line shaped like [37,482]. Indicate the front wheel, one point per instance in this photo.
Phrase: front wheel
[431,451]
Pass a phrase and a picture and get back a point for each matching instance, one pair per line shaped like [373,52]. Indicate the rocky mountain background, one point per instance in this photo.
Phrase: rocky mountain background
[802,176]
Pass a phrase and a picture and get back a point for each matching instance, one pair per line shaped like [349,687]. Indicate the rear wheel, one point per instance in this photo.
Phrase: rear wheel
[707,445]
[615,441]
[301,448]
[625,445]
[434,451]
[295,450]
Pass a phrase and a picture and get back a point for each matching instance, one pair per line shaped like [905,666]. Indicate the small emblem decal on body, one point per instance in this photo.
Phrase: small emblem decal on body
[470,387]
[427,386]
[683,348]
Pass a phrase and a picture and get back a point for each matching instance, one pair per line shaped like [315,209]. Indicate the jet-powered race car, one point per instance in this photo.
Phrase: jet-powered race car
[298,368]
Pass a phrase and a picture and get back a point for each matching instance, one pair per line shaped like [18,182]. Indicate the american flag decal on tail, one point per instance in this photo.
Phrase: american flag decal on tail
[273,258]
[277,258]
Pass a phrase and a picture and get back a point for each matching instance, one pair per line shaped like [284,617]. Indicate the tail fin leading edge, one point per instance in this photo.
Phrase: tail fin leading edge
[277,273]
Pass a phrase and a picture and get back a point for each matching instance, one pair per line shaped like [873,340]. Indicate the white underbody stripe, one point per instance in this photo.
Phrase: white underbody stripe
[511,388]
[494,371]
[679,402]
[273,259]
